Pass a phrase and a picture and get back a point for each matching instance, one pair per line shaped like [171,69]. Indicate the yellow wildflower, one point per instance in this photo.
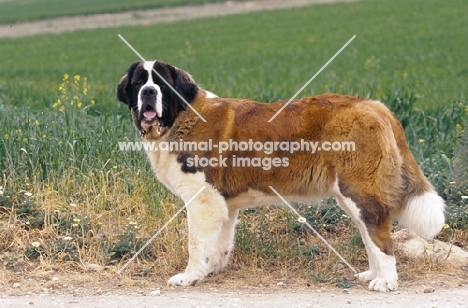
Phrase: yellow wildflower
[57,103]
[85,85]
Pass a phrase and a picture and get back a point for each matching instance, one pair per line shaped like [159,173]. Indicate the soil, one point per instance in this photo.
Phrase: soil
[147,17]
[235,298]
[233,288]
[42,287]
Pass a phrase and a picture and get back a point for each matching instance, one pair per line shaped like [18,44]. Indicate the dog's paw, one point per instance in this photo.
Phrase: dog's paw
[366,276]
[383,285]
[182,280]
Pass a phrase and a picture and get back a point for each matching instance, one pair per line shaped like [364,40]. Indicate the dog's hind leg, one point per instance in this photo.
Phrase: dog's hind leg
[206,215]
[374,224]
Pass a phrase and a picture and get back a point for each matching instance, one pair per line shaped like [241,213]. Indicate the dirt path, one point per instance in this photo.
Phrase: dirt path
[194,297]
[147,17]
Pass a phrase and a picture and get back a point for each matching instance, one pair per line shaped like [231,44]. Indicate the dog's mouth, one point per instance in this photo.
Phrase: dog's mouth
[150,119]
[150,116]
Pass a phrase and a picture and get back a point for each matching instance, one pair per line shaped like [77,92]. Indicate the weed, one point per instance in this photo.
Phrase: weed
[327,215]
[311,251]
[11,259]
[344,283]
[127,244]
[22,209]
[456,190]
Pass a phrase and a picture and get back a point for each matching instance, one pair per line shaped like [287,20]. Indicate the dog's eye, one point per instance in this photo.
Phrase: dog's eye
[139,82]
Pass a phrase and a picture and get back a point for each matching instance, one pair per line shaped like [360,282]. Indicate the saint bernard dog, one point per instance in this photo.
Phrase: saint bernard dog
[378,181]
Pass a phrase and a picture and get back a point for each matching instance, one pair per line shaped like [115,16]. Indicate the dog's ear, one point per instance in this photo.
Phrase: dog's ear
[184,85]
[124,91]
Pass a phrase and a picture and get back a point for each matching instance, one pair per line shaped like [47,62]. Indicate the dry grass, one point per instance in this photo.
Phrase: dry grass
[82,229]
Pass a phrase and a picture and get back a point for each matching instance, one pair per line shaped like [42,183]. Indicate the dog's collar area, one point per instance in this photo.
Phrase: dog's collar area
[145,132]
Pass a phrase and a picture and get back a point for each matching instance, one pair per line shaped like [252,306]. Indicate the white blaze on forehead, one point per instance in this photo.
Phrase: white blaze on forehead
[148,66]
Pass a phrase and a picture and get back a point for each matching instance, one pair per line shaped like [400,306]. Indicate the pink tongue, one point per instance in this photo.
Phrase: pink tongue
[149,114]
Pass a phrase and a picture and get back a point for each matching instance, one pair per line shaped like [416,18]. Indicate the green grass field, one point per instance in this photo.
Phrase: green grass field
[410,54]
[28,10]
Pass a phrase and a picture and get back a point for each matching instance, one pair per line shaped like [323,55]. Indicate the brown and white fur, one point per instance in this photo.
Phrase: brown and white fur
[378,181]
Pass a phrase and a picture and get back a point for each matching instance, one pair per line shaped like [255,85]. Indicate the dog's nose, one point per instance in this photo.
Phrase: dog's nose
[148,92]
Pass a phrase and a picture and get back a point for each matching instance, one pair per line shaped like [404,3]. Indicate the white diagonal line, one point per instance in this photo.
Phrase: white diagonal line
[165,81]
[160,230]
[315,231]
[313,77]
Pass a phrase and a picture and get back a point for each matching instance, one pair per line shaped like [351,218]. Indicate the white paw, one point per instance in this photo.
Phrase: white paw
[182,280]
[383,284]
[366,276]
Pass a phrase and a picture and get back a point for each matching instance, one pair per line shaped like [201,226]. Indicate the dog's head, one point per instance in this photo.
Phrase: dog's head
[146,89]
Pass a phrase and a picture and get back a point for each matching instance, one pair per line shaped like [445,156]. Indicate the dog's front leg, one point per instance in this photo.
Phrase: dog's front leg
[206,215]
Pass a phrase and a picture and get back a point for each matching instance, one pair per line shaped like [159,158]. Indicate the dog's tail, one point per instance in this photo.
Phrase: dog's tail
[422,208]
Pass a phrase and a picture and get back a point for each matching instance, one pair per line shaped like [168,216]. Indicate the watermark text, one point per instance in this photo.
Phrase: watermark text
[267,147]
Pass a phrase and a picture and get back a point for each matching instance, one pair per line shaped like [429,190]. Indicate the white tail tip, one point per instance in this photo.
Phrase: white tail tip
[424,214]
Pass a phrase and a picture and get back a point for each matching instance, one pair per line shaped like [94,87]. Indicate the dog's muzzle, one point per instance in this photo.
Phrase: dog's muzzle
[148,114]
